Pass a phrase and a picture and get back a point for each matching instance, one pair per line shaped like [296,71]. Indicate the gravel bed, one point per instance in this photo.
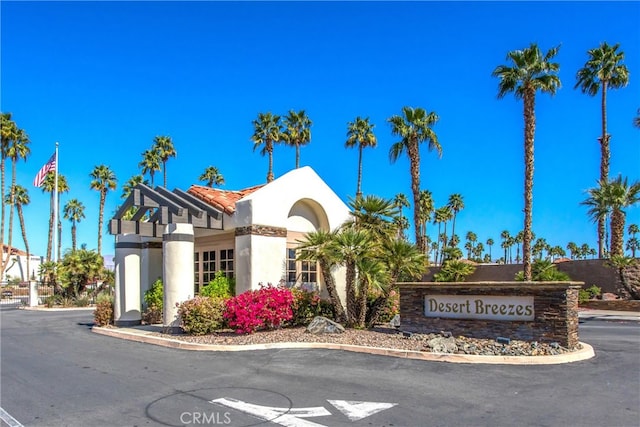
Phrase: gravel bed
[383,337]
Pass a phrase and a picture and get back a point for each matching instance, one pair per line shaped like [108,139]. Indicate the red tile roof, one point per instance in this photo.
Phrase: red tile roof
[14,250]
[224,200]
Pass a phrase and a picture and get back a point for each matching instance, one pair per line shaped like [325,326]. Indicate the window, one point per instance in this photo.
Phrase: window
[301,273]
[226,262]
[206,263]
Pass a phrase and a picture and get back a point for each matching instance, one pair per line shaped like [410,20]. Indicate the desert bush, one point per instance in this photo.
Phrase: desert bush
[592,292]
[454,271]
[154,297]
[390,306]
[103,314]
[221,286]
[202,315]
[265,308]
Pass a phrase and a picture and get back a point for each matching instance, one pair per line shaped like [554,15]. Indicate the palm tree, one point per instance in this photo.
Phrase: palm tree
[351,245]
[373,214]
[150,163]
[74,211]
[603,70]
[636,119]
[633,244]
[266,132]
[318,246]
[128,187]
[49,186]
[163,145]
[8,131]
[16,149]
[20,199]
[439,216]
[614,197]
[471,239]
[456,204]
[490,243]
[531,72]
[413,128]
[427,207]
[506,237]
[360,134]
[212,176]
[573,249]
[103,179]
[297,131]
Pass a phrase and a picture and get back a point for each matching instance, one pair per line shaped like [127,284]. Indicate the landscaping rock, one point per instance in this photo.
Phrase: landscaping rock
[395,322]
[322,325]
[443,344]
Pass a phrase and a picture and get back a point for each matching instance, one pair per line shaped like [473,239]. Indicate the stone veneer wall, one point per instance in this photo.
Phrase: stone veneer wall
[555,311]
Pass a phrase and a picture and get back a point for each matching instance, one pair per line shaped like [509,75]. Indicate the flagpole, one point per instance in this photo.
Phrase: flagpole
[55,210]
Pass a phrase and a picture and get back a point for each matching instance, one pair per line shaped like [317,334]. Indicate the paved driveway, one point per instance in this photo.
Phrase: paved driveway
[55,372]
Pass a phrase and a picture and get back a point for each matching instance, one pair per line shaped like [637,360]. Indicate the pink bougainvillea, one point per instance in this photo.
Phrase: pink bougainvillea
[264,308]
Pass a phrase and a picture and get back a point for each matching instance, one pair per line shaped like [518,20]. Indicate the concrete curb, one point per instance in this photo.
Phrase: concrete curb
[40,308]
[148,338]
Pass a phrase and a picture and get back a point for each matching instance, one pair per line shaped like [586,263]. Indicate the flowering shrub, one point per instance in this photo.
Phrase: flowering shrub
[201,315]
[265,308]
[307,305]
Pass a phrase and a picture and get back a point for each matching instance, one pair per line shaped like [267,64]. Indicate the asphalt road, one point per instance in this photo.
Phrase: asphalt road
[55,372]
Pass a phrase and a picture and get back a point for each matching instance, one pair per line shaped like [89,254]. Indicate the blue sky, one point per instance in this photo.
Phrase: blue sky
[104,78]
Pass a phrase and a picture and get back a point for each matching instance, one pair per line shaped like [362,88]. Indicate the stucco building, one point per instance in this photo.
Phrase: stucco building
[184,237]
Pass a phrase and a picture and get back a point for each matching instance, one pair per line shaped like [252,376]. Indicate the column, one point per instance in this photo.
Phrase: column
[177,270]
[127,277]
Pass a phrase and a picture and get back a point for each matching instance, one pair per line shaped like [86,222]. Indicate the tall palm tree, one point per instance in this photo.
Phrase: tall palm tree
[318,246]
[266,132]
[8,132]
[490,243]
[614,196]
[603,70]
[374,214]
[456,204]
[212,176]
[16,149]
[297,131]
[427,208]
[74,211]
[150,163]
[360,134]
[19,199]
[102,179]
[49,186]
[413,128]
[573,249]
[400,201]
[163,145]
[529,71]
[636,119]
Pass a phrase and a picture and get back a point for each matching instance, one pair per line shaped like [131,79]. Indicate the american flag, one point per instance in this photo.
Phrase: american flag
[42,173]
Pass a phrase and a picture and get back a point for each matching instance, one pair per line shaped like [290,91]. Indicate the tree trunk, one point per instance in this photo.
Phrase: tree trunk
[618,219]
[73,236]
[414,162]
[164,173]
[329,283]
[270,151]
[529,133]
[3,265]
[24,237]
[362,310]
[605,155]
[359,188]
[351,292]
[297,156]
[103,195]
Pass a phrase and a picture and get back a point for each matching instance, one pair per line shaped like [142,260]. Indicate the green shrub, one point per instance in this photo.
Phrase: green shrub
[220,287]
[154,297]
[82,302]
[52,301]
[592,292]
[454,271]
[543,270]
[307,305]
[103,315]
[202,315]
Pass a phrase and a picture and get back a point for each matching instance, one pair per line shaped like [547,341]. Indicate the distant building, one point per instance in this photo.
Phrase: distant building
[17,266]
[251,235]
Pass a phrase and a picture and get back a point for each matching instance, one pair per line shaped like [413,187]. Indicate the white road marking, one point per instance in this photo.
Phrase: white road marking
[356,410]
[12,422]
[283,416]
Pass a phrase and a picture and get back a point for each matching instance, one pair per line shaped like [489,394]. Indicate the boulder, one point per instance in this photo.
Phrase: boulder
[322,325]
[443,345]
[395,322]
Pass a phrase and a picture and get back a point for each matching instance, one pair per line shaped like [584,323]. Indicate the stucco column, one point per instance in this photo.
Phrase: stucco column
[126,311]
[33,293]
[177,270]
[150,265]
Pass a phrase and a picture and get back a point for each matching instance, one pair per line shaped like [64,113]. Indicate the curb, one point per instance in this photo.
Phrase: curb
[39,308]
[586,352]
